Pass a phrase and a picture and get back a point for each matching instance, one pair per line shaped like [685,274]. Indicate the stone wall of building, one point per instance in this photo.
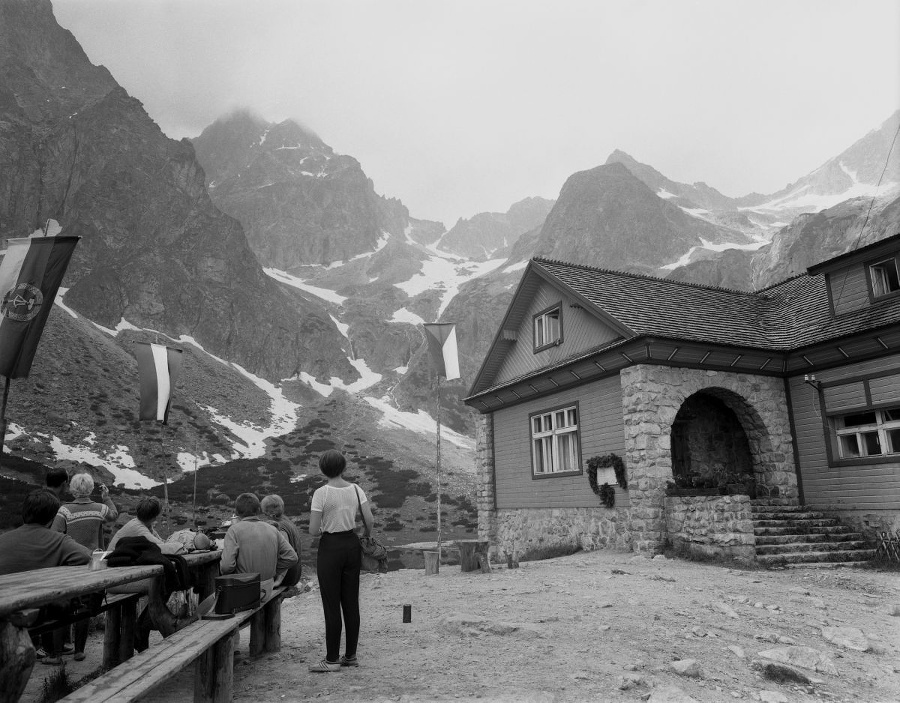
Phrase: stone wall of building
[484,477]
[651,398]
[542,533]
[711,525]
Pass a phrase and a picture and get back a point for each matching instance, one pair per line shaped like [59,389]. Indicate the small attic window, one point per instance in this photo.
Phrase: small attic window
[884,276]
[548,327]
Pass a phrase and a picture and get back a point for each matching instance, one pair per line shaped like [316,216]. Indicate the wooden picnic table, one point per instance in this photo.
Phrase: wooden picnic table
[21,594]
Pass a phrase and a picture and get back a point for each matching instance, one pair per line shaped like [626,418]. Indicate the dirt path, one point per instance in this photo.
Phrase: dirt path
[597,626]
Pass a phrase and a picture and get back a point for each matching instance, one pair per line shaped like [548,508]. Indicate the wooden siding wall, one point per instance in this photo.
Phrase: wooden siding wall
[580,330]
[865,486]
[601,431]
[849,289]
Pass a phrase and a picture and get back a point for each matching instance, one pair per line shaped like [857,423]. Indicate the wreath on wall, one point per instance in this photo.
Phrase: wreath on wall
[604,462]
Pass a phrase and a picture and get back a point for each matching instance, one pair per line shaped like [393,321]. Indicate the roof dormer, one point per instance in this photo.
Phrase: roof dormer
[863,277]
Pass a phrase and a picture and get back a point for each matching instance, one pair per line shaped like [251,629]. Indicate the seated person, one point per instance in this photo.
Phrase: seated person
[35,546]
[142,525]
[273,508]
[254,546]
[83,519]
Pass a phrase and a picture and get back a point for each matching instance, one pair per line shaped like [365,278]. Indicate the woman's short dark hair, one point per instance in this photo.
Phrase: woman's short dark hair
[148,509]
[332,463]
[39,507]
[246,505]
[56,477]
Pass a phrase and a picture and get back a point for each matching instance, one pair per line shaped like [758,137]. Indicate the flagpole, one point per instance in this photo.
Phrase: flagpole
[3,417]
[162,446]
[438,464]
[195,492]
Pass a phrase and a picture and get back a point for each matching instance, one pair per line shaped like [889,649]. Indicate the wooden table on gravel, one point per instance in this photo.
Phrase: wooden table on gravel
[21,594]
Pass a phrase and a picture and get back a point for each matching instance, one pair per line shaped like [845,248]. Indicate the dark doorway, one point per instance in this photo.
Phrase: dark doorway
[710,448]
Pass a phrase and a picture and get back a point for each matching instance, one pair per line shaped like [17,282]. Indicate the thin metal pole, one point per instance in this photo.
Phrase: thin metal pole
[162,446]
[195,492]
[438,462]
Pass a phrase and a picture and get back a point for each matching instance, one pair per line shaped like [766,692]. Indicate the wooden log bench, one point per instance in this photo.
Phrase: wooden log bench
[207,643]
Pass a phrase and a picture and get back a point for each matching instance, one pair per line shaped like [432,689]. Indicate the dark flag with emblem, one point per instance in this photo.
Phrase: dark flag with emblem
[30,275]
[442,347]
[158,368]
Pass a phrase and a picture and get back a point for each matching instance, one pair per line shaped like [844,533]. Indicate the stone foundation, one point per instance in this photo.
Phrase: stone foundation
[548,532]
[711,525]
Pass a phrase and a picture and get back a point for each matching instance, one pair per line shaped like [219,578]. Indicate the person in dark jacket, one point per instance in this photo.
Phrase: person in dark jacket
[35,546]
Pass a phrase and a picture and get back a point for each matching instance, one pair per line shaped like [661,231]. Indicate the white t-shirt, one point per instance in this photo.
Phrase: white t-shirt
[338,506]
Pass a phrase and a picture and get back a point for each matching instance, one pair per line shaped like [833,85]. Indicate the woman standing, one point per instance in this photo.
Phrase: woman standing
[333,516]
[83,521]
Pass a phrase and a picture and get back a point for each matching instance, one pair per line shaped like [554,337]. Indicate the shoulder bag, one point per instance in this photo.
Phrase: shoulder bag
[374,553]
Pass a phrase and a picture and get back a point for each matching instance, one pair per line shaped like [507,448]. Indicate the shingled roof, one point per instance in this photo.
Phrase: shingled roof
[784,317]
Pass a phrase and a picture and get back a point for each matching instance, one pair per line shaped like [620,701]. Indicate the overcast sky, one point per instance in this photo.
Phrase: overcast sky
[459,107]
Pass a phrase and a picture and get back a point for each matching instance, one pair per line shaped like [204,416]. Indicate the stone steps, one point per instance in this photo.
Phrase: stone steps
[786,531]
[790,535]
[799,522]
[800,547]
[809,558]
[816,538]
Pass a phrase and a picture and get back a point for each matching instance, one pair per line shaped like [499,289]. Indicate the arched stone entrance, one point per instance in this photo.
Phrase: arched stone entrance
[653,395]
[710,448]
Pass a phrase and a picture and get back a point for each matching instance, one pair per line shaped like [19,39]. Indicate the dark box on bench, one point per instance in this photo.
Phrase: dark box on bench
[236,592]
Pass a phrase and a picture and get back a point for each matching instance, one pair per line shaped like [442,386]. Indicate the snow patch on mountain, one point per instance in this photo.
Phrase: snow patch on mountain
[686,259]
[447,274]
[404,315]
[664,194]
[342,328]
[515,267]
[803,197]
[420,422]
[191,462]
[300,283]
[283,411]
[118,462]
[367,379]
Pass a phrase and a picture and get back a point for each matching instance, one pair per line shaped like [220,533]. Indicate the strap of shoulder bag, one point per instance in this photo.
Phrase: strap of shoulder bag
[361,513]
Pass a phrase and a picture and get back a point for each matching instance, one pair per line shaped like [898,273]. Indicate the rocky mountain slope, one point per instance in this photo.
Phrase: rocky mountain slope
[154,249]
[488,235]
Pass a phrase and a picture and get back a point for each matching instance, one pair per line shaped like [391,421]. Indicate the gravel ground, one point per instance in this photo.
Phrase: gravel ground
[596,626]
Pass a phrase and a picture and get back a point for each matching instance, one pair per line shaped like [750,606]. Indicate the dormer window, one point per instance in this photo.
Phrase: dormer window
[884,277]
[548,328]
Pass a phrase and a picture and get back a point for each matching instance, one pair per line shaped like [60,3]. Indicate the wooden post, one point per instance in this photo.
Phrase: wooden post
[468,559]
[112,635]
[17,658]
[273,625]
[432,562]
[257,632]
[128,629]
[214,672]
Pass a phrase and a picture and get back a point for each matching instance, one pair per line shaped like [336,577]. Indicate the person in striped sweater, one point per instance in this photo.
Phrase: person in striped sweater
[83,521]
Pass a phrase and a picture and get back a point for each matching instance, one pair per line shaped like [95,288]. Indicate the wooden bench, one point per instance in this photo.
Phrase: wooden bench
[208,644]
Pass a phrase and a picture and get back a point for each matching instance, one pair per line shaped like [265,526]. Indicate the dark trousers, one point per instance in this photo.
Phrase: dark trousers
[337,566]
